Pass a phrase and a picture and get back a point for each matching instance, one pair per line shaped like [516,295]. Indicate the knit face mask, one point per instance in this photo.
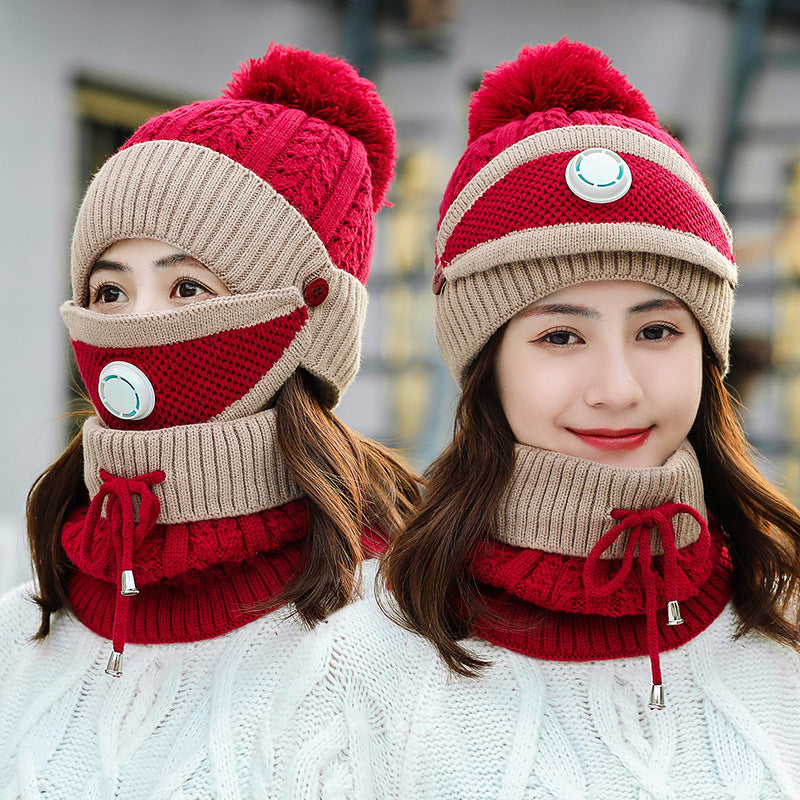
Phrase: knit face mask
[219,359]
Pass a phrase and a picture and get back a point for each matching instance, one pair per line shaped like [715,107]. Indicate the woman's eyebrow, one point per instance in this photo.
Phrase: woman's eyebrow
[166,261]
[541,309]
[668,303]
[177,258]
[114,266]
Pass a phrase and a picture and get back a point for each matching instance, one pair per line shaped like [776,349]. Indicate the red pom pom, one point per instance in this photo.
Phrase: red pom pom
[568,75]
[329,89]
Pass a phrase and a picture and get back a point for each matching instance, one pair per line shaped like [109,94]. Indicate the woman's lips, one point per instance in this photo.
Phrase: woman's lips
[608,439]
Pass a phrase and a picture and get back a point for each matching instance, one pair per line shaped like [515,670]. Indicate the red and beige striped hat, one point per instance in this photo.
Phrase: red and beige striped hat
[568,177]
[273,186]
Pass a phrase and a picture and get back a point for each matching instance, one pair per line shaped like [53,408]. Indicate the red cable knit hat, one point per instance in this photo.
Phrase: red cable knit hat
[273,185]
[568,177]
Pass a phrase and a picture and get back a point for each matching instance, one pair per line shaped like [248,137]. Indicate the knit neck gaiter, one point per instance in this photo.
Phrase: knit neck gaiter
[190,529]
[592,562]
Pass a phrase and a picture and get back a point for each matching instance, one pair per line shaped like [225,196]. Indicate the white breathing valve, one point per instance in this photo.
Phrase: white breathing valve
[598,175]
[126,391]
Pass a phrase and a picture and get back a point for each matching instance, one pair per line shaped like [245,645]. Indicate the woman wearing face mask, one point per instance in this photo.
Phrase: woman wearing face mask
[214,508]
[602,586]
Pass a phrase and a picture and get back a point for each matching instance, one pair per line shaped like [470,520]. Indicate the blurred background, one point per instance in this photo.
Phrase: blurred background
[79,75]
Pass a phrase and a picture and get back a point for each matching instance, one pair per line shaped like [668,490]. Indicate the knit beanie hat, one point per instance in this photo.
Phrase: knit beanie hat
[568,177]
[274,187]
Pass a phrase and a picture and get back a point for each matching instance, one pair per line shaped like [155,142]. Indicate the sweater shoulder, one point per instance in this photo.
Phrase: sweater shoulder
[19,617]
[367,637]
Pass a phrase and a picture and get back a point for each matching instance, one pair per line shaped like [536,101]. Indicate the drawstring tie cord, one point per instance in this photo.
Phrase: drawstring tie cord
[639,524]
[122,517]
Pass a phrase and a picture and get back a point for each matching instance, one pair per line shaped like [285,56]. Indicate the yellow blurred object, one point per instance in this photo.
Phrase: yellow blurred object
[786,345]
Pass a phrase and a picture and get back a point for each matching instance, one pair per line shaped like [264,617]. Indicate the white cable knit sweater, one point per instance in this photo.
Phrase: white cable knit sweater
[184,721]
[193,721]
[380,717]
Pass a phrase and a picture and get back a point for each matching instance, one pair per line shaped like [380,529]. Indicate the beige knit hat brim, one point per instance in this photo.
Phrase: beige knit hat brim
[582,237]
[205,203]
[471,308]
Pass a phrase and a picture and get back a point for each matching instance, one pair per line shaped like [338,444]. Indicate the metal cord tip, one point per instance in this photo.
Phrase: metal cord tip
[128,584]
[657,697]
[114,667]
[674,613]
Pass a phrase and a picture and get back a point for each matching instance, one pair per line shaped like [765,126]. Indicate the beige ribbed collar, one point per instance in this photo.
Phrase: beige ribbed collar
[563,504]
[213,470]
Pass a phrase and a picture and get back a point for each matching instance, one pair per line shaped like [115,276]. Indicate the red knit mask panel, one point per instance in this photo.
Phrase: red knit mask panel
[194,380]
[536,195]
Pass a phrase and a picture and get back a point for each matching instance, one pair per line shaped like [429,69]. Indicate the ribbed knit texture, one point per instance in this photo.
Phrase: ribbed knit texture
[579,496]
[293,129]
[561,133]
[196,580]
[378,716]
[200,192]
[518,584]
[531,193]
[195,577]
[271,186]
[213,470]
[587,557]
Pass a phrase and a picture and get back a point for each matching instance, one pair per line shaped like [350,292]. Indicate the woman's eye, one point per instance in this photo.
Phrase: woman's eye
[108,294]
[190,289]
[560,338]
[653,333]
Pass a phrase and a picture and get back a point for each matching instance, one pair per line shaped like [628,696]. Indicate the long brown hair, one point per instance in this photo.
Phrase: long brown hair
[351,484]
[425,564]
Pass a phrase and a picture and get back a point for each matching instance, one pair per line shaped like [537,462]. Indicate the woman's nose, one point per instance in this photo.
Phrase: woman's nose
[150,300]
[614,382]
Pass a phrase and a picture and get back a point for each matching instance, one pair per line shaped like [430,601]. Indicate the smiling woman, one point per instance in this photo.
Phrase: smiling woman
[601,589]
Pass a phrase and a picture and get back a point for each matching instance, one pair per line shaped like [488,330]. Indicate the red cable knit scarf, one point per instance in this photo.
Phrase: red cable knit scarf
[143,582]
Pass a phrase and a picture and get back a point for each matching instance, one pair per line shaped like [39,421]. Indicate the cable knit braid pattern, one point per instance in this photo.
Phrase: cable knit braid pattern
[189,721]
[325,173]
[378,716]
